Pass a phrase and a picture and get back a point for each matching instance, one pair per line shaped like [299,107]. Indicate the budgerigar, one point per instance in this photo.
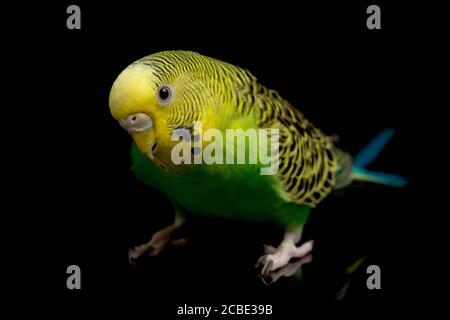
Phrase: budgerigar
[166,92]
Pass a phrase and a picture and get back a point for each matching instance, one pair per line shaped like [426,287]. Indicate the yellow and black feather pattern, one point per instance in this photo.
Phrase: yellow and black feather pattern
[196,73]
[307,163]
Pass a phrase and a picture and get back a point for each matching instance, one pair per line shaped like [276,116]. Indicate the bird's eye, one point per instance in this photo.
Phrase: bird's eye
[164,94]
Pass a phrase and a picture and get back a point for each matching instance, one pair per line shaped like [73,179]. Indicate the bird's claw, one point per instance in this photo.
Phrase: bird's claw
[265,263]
[154,247]
[291,269]
[275,262]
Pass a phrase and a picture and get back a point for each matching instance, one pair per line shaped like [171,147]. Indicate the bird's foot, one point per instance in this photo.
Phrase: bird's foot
[291,269]
[157,243]
[278,258]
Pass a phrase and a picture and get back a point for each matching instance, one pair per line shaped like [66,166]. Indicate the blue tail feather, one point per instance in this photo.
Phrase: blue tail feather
[379,177]
[368,154]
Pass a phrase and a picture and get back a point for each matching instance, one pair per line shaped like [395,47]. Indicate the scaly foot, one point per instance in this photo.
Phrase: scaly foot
[276,258]
[281,256]
[291,269]
[158,242]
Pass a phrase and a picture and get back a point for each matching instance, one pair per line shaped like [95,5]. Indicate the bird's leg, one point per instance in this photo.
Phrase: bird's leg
[276,258]
[158,241]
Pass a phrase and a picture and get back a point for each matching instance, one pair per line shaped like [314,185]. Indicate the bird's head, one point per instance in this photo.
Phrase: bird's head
[158,94]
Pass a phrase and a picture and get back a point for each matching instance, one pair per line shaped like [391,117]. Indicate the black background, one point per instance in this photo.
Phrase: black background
[346,79]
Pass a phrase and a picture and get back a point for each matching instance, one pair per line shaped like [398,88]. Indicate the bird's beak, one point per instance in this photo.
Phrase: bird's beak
[140,126]
[138,122]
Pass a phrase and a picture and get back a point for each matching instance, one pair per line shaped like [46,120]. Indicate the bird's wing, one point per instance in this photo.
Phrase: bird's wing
[307,163]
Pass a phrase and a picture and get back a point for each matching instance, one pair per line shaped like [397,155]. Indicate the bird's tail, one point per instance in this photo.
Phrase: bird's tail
[367,155]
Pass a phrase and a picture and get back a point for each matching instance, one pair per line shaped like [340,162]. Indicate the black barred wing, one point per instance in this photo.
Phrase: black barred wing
[307,163]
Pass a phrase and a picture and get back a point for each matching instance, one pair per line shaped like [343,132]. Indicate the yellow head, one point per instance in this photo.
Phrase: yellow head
[160,93]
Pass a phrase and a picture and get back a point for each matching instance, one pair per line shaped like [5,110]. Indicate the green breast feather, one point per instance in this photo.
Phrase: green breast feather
[229,191]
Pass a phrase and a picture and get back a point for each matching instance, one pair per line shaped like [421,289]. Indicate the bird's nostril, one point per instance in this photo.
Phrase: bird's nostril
[138,122]
[154,147]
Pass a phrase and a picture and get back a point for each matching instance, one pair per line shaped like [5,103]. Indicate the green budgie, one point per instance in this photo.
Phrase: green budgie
[167,94]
